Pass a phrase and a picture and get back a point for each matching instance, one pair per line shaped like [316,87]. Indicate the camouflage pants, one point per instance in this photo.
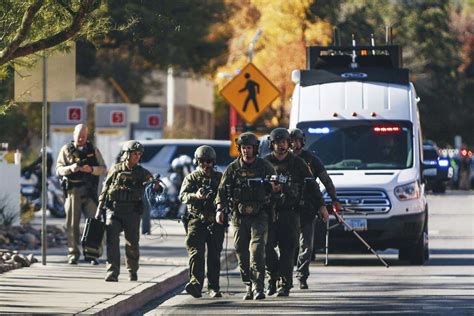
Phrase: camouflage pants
[77,202]
[305,248]
[199,235]
[284,235]
[250,236]
[129,223]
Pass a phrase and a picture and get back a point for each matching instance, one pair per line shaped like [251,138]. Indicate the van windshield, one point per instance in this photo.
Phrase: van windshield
[360,145]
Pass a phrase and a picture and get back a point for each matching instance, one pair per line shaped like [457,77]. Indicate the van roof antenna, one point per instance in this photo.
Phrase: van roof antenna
[388,35]
[372,42]
[353,63]
[336,37]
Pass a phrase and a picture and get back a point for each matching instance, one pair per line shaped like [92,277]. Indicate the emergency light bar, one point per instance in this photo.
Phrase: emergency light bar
[319,130]
[443,162]
[386,129]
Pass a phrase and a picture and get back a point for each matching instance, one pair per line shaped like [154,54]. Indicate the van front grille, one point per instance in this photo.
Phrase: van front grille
[370,201]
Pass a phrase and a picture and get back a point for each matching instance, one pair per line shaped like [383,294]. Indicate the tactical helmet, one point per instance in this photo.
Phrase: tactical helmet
[205,152]
[297,133]
[278,134]
[132,145]
[248,138]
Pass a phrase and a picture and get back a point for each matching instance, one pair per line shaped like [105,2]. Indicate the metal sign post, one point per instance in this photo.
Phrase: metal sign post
[44,158]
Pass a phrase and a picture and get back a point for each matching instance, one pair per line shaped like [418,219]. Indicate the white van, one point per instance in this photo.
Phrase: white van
[359,113]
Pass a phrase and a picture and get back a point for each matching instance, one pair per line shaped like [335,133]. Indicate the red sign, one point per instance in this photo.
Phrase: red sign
[153,120]
[74,114]
[117,117]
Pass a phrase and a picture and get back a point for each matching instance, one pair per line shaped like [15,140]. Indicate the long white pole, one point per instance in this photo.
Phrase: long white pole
[44,157]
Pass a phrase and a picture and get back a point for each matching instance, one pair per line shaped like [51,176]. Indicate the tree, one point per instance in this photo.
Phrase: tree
[184,34]
[32,26]
[432,55]
[287,29]
[28,27]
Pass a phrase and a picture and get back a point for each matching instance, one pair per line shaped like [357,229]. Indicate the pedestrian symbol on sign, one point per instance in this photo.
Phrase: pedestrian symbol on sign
[253,89]
[250,86]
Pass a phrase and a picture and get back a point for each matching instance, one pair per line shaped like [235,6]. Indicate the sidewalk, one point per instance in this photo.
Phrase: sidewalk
[59,288]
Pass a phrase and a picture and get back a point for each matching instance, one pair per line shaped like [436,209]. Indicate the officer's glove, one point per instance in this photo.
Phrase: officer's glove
[337,206]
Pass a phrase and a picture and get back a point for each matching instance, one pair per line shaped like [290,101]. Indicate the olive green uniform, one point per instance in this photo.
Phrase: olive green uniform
[202,229]
[122,195]
[285,231]
[250,209]
[82,189]
[308,213]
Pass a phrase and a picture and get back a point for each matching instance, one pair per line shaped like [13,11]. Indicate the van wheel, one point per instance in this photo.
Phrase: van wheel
[419,253]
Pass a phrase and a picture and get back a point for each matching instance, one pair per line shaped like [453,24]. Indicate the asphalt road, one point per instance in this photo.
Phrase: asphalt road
[360,284]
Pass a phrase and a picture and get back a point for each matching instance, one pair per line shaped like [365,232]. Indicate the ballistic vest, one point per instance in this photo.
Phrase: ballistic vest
[291,189]
[82,157]
[128,185]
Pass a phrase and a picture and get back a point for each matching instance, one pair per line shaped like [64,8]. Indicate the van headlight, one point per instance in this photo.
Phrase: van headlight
[407,191]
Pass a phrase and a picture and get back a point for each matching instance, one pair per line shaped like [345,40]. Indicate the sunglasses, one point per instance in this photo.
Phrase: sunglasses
[205,161]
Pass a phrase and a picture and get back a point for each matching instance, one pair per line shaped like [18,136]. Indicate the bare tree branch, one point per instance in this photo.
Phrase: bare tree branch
[86,7]
[26,22]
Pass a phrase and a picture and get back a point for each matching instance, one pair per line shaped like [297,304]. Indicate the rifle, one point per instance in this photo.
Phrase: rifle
[275,178]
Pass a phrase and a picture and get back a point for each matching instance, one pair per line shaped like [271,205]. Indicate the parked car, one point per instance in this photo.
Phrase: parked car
[438,171]
[160,153]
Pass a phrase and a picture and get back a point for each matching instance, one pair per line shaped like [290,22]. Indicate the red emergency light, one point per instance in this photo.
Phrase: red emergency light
[466,153]
[387,129]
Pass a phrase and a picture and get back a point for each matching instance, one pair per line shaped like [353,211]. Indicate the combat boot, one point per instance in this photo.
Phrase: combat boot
[132,276]
[111,277]
[283,292]
[214,293]
[272,288]
[258,295]
[193,290]
[303,285]
[249,294]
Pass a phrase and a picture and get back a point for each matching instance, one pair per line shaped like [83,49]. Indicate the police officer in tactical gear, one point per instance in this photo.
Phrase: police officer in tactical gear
[249,203]
[309,211]
[80,164]
[122,200]
[198,192]
[285,231]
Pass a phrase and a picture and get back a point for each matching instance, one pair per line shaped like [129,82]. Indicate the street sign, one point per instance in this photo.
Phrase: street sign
[250,93]
[74,114]
[117,117]
[153,121]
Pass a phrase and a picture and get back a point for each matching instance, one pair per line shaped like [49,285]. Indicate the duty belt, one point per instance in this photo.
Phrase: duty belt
[76,184]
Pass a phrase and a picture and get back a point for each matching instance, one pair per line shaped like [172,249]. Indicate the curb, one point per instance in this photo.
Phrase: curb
[133,299]
[137,297]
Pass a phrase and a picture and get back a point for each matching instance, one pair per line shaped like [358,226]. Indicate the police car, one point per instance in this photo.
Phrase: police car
[437,170]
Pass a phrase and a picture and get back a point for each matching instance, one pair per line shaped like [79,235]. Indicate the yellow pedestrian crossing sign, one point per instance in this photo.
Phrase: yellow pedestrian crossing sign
[250,93]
